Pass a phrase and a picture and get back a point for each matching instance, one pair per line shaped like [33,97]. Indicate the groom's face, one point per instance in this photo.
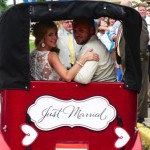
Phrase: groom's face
[82,32]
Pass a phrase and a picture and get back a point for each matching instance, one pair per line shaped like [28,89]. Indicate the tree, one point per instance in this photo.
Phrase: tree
[3,6]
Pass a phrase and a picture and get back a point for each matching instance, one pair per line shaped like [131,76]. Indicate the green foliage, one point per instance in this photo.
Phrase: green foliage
[31,45]
[3,4]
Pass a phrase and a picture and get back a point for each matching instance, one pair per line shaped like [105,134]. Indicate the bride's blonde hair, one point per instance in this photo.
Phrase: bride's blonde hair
[40,29]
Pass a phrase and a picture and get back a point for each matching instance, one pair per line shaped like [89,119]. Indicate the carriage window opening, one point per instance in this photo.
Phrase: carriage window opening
[62,37]
[31,38]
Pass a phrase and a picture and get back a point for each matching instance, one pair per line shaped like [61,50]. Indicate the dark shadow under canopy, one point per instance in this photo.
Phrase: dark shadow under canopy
[15,30]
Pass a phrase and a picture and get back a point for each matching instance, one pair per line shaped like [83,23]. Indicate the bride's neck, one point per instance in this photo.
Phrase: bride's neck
[44,48]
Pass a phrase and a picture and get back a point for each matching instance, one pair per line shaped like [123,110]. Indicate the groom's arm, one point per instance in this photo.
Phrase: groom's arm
[86,73]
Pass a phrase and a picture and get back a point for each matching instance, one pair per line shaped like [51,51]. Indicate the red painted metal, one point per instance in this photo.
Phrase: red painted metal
[16,102]
[3,144]
[138,143]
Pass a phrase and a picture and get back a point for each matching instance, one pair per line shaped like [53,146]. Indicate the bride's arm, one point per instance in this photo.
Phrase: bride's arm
[68,75]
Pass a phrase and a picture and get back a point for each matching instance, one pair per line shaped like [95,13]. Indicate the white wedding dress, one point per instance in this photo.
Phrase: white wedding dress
[40,67]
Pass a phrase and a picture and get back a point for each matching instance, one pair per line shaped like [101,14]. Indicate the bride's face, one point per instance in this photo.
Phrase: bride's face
[51,38]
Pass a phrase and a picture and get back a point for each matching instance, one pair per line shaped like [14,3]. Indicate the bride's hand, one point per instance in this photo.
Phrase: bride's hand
[91,55]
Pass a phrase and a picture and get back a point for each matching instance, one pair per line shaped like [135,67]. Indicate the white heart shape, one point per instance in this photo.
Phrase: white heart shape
[31,134]
[123,137]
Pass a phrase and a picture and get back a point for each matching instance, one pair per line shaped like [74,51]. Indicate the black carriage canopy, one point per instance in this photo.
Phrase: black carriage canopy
[15,30]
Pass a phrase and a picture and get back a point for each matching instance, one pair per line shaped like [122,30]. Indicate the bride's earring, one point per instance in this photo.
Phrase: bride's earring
[43,44]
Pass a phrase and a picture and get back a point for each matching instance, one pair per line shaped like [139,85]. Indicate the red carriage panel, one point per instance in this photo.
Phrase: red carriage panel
[70,113]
